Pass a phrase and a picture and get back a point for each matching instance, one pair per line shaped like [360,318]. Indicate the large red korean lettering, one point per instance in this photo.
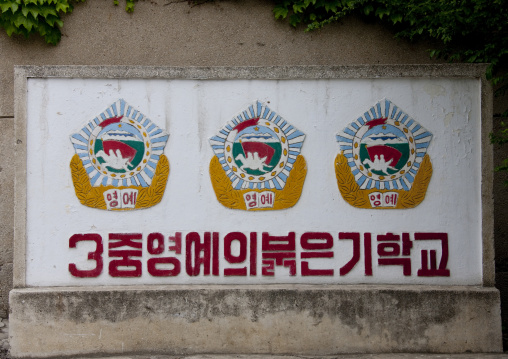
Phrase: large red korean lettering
[126,266]
[355,258]
[177,240]
[355,237]
[155,246]
[235,259]
[253,253]
[278,250]
[197,253]
[429,258]
[390,253]
[315,245]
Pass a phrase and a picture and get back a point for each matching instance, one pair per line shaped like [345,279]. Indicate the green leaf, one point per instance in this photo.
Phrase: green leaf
[368,9]
[294,20]
[53,38]
[380,12]
[298,8]
[20,20]
[52,35]
[396,18]
[280,12]
[51,20]
[4,7]
[34,11]
[9,28]
[129,6]
[62,6]
[14,7]
[9,5]
[46,11]
[331,6]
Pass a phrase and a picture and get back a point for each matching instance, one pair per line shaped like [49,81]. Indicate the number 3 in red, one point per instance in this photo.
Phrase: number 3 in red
[96,255]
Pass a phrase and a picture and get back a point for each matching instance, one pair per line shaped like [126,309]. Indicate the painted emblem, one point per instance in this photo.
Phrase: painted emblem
[383,161]
[257,163]
[119,162]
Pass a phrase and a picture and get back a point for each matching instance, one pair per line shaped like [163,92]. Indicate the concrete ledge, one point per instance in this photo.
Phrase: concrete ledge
[278,319]
[345,356]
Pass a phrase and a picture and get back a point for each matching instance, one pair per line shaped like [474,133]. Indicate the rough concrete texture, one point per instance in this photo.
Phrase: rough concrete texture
[474,71]
[187,320]
[341,356]
[487,168]
[344,356]
[172,33]
[227,33]
[502,285]
[6,210]
[4,336]
[501,202]
[501,228]
[5,353]
[217,33]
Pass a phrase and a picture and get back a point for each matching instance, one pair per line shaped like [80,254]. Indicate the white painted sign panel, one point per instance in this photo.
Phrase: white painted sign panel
[138,181]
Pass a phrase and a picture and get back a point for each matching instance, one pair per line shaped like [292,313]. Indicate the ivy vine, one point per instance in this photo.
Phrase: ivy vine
[467,30]
[43,17]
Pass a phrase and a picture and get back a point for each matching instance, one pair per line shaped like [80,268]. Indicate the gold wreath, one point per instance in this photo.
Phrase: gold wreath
[357,197]
[93,196]
[231,198]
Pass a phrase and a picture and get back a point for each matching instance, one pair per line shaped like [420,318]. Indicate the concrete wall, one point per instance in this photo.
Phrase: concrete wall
[6,210]
[276,319]
[172,33]
[431,320]
[219,33]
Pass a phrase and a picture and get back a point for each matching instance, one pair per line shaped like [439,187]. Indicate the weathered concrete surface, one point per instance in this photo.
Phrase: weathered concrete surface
[226,33]
[180,320]
[501,201]
[172,33]
[6,210]
[218,33]
[501,224]
[343,356]
[487,167]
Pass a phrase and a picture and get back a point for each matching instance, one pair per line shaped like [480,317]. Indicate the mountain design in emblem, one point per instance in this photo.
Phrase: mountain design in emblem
[383,161]
[384,149]
[256,154]
[119,146]
[256,149]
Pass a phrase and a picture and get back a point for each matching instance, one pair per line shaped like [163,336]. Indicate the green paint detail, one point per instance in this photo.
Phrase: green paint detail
[137,145]
[238,150]
[402,148]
